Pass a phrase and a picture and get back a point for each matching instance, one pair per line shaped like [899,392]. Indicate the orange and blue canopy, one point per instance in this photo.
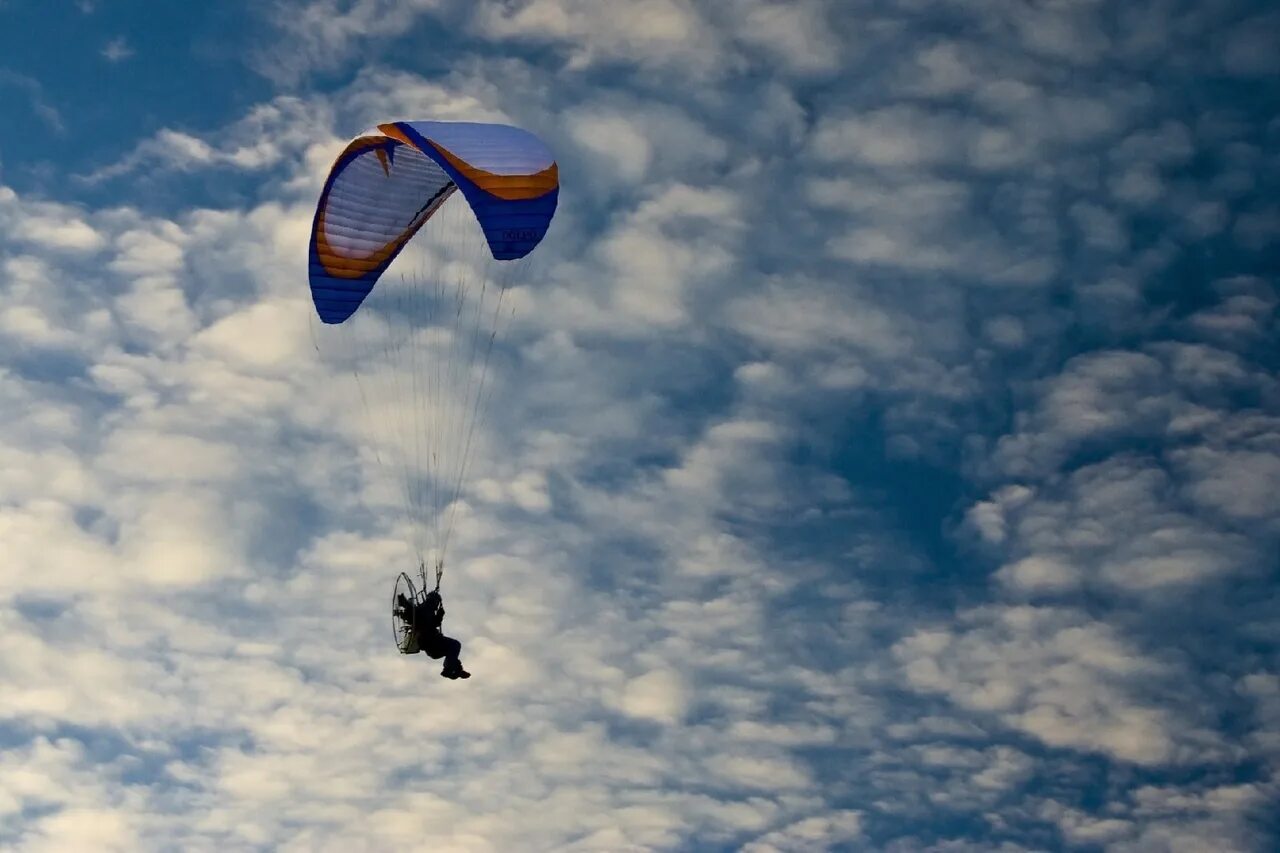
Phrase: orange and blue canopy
[389,181]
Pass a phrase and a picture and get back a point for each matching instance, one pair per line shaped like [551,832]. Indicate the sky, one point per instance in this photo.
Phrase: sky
[885,456]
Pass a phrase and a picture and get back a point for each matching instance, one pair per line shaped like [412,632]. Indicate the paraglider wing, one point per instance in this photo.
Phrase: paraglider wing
[389,181]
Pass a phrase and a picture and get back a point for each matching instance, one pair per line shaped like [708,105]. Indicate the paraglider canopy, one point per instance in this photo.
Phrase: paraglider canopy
[390,180]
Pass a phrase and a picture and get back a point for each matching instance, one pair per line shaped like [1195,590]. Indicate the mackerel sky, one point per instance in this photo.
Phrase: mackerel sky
[886,455]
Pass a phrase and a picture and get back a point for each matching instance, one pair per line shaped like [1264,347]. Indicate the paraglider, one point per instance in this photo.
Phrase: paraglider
[419,627]
[419,347]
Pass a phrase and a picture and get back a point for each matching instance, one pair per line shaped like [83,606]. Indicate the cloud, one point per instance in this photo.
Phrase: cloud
[707,39]
[117,50]
[804,37]
[48,225]
[1099,397]
[624,140]
[652,264]
[1119,525]
[655,695]
[51,774]
[1056,677]
[1244,47]
[320,35]
[268,136]
[46,112]
[665,30]
[1240,484]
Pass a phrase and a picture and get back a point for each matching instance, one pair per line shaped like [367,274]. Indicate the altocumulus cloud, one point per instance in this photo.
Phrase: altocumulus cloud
[887,456]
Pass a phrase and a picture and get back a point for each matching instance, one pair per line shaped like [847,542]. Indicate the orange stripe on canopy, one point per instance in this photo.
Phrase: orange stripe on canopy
[509,187]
